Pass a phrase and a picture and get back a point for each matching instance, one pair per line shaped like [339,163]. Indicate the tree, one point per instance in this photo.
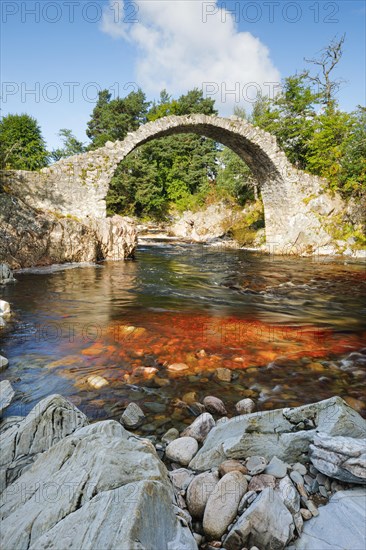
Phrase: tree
[329,59]
[22,146]
[72,146]
[112,119]
[353,161]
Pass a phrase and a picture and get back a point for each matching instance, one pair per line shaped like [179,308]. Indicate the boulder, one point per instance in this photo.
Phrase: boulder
[96,488]
[266,524]
[49,421]
[133,416]
[6,275]
[223,503]
[182,450]
[278,433]
[339,525]
[343,458]
[200,427]
[6,395]
[199,492]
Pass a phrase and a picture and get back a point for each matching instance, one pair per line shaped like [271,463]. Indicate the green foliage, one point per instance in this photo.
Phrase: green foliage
[21,143]
[352,178]
[112,119]
[244,230]
[171,172]
[71,145]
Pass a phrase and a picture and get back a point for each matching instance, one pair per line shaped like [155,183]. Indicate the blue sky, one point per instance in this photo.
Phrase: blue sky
[57,54]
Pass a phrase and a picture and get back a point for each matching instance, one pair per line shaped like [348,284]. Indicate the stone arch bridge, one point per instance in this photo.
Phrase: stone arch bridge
[293,200]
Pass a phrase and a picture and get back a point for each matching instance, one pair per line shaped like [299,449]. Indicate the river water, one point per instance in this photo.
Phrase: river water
[290,331]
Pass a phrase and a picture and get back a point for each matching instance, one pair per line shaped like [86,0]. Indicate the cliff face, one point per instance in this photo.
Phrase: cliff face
[29,237]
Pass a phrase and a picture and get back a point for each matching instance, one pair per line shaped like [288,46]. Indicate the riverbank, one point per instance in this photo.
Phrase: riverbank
[278,477]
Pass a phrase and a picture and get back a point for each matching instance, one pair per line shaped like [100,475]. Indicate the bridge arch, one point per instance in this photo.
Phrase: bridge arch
[81,182]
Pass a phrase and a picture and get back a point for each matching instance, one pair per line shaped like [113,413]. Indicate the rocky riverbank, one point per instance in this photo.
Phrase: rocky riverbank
[30,237]
[289,478]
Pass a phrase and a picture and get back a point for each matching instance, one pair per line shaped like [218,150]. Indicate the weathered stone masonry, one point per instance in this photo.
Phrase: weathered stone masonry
[294,202]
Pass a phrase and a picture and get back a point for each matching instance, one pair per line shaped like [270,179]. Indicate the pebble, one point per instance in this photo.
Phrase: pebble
[310,506]
[276,468]
[297,477]
[323,491]
[133,416]
[313,470]
[182,450]
[223,374]
[222,505]
[321,478]
[155,407]
[178,367]
[199,492]
[214,405]
[190,397]
[231,465]
[200,427]
[308,479]
[262,481]
[298,467]
[306,514]
[97,381]
[181,478]
[247,500]
[255,464]
[3,363]
[245,406]
[170,435]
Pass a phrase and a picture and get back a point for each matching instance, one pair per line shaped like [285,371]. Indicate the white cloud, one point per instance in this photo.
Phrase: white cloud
[181,45]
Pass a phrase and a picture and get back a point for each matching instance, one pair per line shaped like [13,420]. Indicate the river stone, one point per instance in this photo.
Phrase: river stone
[97,381]
[276,468]
[343,458]
[200,427]
[199,491]
[296,477]
[255,465]
[6,275]
[91,490]
[48,422]
[232,466]
[133,416]
[170,435]
[245,406]
[223,374]
[181,478]
[288,494]
[4,308]
[178,367]
[261,481]
[182,450]
[3,363]
[223,503]
[299,468]
[6,394]
[339,525]
[266,524]
[214,405]
[277,433]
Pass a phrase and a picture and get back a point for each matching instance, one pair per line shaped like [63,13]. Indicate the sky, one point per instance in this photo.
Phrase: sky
[56,55]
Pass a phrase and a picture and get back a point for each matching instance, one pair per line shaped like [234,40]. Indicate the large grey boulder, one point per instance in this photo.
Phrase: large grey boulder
[340,524]
[341,457]
[100,487]
[4,308]
[285,433]
[49,421]
[6,395]
[266,524]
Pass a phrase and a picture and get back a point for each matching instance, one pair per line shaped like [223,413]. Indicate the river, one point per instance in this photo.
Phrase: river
[290,330]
